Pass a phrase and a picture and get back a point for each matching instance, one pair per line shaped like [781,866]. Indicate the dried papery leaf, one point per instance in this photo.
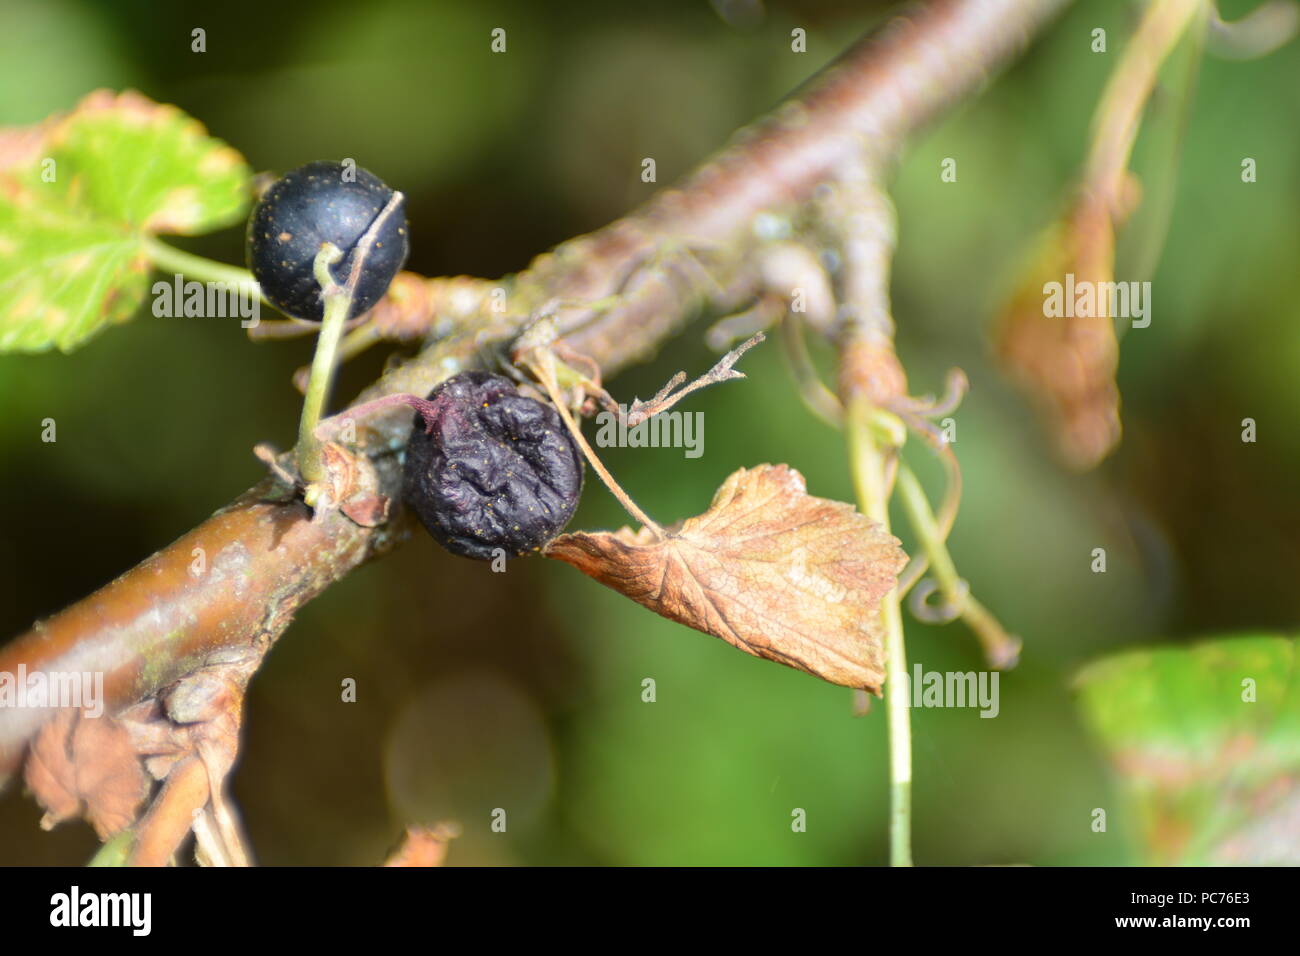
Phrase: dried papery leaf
[768,568]
[87,766]
[1068,362]
[49,772]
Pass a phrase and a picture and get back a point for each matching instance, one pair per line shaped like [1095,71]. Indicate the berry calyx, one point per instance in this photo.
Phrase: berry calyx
[323,202]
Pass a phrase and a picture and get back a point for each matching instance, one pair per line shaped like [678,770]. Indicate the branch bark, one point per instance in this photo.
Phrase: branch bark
[263,555]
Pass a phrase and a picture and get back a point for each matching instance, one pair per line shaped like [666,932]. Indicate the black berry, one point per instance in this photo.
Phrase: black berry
[314,204]
[489,468]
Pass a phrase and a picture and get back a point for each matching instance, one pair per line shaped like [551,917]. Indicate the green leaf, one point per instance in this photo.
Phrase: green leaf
[78,198]
[1206,740]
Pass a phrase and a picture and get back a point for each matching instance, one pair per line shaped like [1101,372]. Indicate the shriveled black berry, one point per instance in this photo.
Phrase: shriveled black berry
[489,468]
[312,205]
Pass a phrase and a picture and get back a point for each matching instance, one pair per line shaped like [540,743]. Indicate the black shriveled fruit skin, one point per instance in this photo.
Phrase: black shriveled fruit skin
[495,469]
[309,206]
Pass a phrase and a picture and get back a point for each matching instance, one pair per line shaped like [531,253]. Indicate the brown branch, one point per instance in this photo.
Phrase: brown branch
[265,557]
[168,821]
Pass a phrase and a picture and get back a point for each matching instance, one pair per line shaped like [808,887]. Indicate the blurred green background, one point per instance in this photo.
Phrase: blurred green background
[523,691]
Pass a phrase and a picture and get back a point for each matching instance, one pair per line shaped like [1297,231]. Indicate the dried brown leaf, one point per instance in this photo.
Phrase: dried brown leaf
[768,568]
[86,766]
[1068,363]
[50,774]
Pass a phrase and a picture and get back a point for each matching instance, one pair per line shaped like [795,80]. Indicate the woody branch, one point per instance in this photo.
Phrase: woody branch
[266,557]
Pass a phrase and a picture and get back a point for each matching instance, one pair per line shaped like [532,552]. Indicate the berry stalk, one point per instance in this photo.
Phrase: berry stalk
[338,303]
[167,258]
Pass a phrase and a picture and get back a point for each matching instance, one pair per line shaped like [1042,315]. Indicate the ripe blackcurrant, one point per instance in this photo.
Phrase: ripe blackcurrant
[489,468]
[317,203]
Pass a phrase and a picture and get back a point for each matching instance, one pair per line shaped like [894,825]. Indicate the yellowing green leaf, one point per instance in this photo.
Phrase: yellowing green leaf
[1206,741]
[79,196]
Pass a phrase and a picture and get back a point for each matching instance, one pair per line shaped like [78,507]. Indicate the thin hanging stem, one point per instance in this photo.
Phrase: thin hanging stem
[1119,113]
[872,463]
[1001,649]
[544,369]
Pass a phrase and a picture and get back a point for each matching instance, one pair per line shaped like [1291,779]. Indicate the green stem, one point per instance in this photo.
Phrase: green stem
[929,534]
[170,259]
[1119,113]
[869,461]
[1001,649]
[338,302]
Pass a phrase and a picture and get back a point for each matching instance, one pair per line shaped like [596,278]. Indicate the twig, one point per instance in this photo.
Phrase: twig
[171,816]
[228,828]
[666,398]
[149,627]
[209,848]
